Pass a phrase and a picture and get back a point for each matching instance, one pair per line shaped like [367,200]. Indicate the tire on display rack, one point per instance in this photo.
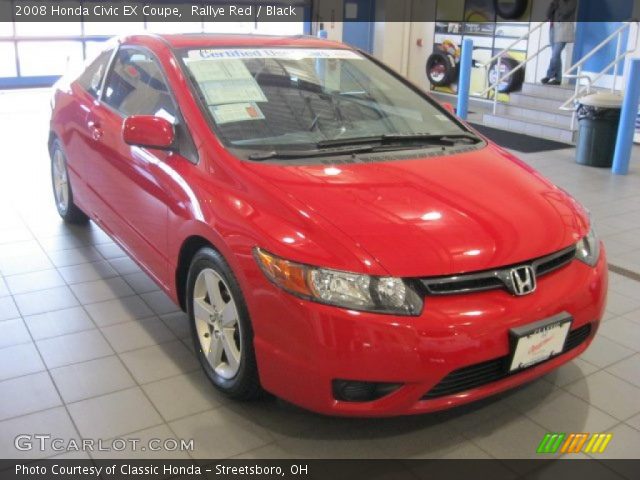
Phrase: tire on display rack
[442,69]
[511,84]
[510,9]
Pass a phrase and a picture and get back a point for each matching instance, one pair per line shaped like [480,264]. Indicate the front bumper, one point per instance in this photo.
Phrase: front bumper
[302,346]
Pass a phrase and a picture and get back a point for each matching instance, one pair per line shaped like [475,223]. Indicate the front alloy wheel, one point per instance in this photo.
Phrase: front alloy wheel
[220,326]
[216,321]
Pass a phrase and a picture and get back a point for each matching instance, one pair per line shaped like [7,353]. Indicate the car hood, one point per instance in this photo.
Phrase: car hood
[437,215]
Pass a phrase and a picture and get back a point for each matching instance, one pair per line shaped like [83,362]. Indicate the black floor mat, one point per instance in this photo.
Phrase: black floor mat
[518,141]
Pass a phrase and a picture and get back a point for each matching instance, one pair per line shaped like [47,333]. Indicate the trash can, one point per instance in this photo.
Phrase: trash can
[598,118]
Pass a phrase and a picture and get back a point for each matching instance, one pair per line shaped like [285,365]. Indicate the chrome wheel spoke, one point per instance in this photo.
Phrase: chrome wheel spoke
[204,334]
[229,316]
[202,310]
[213,289]
[214,355]
[64,198]
[230,348]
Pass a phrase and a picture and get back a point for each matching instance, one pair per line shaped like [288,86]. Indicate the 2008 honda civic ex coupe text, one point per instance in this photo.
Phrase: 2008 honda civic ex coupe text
[336,236]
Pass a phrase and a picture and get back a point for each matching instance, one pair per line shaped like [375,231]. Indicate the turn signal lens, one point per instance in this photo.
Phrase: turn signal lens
[342,289]
[288,275]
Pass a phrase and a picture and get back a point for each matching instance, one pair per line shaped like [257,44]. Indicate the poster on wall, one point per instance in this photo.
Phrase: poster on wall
[478,21]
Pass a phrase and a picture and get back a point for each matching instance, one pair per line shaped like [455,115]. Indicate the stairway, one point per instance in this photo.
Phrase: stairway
[535,111]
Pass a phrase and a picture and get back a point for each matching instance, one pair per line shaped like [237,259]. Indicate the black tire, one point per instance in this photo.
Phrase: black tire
[510,10]
[68,211]
[442,69]
[245,385]
[514,82]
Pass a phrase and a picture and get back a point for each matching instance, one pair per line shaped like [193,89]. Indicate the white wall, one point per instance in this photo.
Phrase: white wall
[391,44]
[391,39]
[424,33]
[396,43]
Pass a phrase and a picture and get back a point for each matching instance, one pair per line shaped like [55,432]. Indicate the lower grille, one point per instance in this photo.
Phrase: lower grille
[493,370]
[576,337]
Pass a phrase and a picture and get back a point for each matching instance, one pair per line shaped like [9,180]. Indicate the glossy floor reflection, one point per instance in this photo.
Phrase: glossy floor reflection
[89,347]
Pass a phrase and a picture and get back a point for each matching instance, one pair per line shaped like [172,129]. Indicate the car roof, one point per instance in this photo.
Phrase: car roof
[212,40]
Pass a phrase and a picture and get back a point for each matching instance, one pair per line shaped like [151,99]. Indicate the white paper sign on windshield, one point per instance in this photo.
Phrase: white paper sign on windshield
[232,91]
[236,112]
[206,70]
[226,81]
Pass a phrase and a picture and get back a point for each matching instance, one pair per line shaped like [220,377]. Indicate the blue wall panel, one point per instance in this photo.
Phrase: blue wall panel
[358,30]
[589,32]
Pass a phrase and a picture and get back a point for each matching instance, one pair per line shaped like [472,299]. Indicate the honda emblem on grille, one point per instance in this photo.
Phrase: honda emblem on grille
[523,280]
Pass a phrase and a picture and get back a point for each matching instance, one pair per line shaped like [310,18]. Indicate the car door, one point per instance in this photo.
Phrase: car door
[75,108]
[130,182]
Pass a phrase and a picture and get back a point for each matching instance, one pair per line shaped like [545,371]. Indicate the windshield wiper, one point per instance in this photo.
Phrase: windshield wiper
[441,138]
[394,138]
[377,143]
[311,152]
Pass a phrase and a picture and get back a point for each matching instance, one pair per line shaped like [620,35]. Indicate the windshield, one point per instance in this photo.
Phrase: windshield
[295,98]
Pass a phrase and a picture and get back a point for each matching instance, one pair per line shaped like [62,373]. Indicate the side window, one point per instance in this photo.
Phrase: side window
[135,86]
[91,78]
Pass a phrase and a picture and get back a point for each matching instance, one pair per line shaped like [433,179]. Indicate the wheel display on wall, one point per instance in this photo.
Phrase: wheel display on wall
[510,9]
[510,84]
[442,69]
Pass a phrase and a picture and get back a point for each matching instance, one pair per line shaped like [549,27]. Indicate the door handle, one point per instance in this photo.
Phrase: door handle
[94,128]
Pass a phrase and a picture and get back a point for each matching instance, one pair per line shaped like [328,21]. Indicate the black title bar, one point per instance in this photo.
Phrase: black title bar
[321,11]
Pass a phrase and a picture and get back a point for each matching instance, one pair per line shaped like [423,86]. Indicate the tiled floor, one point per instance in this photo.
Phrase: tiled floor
[90,348]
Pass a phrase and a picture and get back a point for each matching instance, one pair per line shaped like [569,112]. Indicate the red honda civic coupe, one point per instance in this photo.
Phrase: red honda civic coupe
[336,236]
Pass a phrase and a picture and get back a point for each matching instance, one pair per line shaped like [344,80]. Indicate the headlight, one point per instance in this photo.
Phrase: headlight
[588,249]
[341,289]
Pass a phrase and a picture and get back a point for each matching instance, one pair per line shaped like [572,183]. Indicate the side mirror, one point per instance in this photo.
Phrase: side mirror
[148,131]
[449,108]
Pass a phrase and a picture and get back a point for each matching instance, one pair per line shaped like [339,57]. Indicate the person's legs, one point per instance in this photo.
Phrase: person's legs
[554,73]
[557,58]
[550,72]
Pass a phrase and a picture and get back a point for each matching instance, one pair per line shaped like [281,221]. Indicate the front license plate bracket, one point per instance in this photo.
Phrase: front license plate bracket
[538,342]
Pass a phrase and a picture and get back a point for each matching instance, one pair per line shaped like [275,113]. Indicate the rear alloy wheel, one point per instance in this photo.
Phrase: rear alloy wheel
[62,192]
[221,330]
